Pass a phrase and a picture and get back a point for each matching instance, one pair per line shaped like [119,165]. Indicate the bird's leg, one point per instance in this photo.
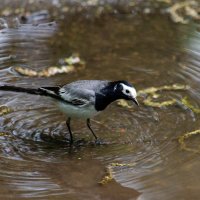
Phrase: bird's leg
[89,126]
[69,129]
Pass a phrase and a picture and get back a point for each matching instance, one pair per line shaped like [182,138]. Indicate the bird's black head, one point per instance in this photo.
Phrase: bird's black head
[113,91]
[125,90]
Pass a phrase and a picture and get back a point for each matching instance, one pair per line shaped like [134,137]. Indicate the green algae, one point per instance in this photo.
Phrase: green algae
[4,110]
[186,136]
[189,105]
[71,64]
[151,94]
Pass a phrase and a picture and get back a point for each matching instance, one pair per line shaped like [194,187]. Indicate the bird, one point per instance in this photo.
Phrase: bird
[83,98]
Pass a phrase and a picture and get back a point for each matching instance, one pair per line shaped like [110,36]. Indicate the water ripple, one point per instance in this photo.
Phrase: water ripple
[145,138]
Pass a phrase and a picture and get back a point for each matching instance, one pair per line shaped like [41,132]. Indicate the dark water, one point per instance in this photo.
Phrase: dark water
[148,51]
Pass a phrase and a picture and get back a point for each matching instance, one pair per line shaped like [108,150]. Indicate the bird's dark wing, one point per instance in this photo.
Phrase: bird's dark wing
[51,90]
[78,102]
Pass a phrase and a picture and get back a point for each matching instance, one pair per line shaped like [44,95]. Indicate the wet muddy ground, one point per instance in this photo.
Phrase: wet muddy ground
[143,153]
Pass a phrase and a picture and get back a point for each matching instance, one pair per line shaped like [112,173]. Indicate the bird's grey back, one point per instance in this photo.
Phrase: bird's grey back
[95,85]
[84,91]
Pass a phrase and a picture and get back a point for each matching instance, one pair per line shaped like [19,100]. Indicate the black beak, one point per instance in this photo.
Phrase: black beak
[135,101]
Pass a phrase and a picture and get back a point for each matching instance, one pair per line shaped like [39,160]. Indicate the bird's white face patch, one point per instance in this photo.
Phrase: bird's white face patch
[129,91]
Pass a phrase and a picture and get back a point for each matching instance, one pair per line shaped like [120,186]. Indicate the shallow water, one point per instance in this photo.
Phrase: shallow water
[36,162]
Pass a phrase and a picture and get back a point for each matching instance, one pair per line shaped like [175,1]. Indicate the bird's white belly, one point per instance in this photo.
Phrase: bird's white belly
[72,111]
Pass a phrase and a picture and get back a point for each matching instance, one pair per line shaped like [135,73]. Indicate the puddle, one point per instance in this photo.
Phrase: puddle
[147,51]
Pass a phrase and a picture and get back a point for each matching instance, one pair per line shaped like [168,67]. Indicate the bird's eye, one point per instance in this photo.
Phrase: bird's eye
[127,91]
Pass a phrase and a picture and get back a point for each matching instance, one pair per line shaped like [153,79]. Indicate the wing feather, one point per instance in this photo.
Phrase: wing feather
[51,90]
[77,97]
[79,93]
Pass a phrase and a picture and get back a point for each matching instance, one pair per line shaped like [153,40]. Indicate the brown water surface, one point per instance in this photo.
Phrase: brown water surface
[148,51]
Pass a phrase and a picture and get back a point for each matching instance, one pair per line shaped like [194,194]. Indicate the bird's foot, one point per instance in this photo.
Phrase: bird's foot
[76,143]
[83,142]
[100,142]
[80,142]
[69,141]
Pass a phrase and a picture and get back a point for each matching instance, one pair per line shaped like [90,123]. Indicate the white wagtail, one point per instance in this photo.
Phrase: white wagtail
[83,99]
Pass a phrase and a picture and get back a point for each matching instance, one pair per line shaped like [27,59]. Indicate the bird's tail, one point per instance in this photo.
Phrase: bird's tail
[36,91]
[20,89]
